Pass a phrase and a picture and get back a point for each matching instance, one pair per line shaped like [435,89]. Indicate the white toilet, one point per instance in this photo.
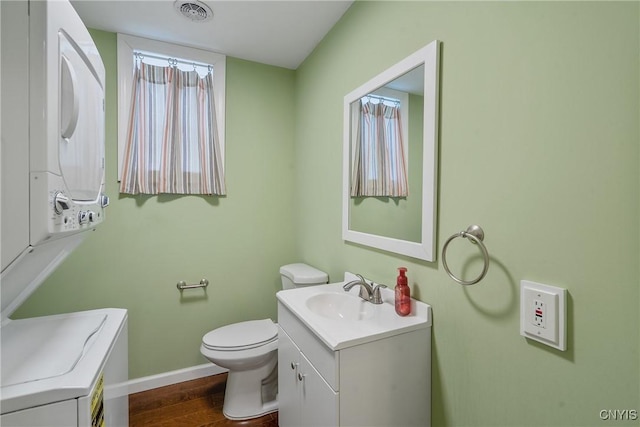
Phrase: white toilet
[249,350]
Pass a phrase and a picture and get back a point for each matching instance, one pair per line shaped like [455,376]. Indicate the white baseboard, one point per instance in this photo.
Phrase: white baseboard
[167,378]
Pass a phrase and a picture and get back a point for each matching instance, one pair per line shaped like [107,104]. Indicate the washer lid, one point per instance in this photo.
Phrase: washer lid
[41,348]
[240,336]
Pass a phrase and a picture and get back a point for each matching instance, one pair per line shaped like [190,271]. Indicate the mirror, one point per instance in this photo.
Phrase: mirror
[394,214]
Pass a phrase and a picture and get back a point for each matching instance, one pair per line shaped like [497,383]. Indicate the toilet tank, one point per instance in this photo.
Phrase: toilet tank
[297,275]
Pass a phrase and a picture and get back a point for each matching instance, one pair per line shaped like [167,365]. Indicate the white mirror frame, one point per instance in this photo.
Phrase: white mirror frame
[426,248]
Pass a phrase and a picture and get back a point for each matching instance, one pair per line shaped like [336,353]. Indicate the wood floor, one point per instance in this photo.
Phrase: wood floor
[196,403]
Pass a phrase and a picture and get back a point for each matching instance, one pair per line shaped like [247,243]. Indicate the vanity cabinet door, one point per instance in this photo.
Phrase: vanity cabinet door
[319,403]
[289,387]
[304,397]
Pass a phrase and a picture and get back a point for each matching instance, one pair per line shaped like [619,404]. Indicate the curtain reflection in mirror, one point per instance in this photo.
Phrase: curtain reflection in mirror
[380,167]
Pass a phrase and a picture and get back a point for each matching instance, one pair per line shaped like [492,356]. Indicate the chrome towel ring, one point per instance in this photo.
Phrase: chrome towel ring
[476,235]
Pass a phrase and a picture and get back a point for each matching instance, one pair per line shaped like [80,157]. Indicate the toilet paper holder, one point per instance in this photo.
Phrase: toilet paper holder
[182,285]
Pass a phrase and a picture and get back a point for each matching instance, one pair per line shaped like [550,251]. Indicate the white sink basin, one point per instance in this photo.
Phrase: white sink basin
[333,305]
[343,319]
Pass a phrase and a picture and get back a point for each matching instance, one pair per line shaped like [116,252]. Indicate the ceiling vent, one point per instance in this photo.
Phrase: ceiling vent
[194,10]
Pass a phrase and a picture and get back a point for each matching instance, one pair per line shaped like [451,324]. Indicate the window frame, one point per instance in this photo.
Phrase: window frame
[127,45]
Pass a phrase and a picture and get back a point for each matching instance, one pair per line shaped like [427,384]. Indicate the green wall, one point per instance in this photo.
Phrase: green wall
[539,145]
[148,244]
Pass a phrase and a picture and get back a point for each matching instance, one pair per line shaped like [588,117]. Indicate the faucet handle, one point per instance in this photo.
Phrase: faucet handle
[376,298]
[364,293]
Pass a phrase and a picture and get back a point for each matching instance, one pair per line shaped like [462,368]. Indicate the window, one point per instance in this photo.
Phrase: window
[176,143]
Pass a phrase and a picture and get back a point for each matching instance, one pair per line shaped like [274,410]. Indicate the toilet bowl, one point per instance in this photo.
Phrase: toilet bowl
[249,350]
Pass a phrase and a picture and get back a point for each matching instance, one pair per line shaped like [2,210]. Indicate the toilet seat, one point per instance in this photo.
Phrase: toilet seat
[241,336]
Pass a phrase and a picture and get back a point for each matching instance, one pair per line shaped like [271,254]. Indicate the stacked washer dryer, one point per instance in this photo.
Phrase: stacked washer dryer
[61,370]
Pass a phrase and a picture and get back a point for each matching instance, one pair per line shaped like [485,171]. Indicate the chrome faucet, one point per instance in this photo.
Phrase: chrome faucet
[367,292]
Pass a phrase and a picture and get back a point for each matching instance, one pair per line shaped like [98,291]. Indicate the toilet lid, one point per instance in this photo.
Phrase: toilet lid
[241,336]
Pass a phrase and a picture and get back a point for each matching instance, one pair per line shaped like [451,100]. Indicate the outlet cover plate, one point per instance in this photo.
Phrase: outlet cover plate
[543,314]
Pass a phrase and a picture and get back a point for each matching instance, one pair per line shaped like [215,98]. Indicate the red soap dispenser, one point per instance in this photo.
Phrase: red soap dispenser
[403,294]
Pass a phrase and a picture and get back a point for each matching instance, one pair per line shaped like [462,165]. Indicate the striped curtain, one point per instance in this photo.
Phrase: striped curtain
[172,140]
[379,167]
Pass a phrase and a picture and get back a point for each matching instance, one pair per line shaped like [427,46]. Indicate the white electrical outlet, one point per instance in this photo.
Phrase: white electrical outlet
[539,313]
[543,314]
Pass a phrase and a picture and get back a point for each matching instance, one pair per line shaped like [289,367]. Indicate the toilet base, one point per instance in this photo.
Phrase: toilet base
[251,394]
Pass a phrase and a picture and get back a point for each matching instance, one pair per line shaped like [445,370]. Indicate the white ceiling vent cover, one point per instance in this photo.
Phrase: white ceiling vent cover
[194,10]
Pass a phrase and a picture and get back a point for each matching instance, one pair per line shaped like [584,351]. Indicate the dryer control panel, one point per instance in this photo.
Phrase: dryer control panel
[68,216]
[59,214]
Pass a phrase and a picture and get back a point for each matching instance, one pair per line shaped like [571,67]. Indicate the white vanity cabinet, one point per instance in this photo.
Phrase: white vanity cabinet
[382,382]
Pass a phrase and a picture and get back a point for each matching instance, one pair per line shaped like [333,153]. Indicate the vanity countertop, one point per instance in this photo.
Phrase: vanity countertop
[357,321]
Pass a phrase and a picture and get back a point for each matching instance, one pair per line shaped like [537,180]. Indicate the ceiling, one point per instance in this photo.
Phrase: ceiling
[281,33]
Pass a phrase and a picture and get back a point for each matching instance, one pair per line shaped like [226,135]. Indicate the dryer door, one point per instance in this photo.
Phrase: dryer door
[81,139]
